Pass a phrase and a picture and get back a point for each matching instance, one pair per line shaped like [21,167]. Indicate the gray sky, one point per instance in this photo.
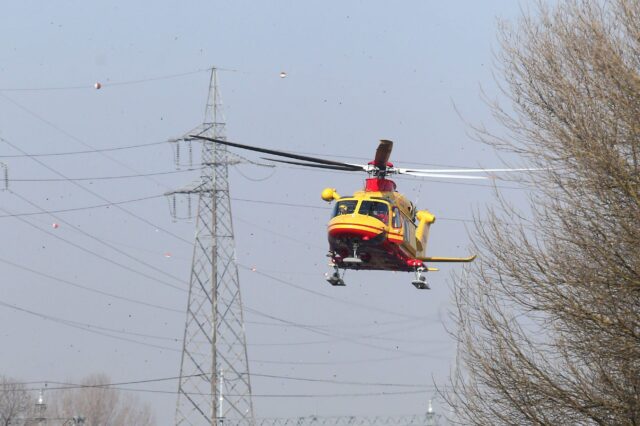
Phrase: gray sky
[357,72]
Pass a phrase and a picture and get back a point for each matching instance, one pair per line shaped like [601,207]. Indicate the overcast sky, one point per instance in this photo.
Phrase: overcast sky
[356,72]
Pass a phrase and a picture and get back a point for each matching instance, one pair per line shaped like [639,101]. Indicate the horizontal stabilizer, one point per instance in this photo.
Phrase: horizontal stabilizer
[448,259]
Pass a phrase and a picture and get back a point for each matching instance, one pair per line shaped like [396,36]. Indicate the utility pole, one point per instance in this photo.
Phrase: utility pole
[214,339]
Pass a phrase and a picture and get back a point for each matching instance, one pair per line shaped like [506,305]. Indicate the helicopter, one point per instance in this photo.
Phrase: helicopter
[377,228]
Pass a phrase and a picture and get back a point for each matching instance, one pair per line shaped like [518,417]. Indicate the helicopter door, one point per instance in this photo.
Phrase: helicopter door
[409,235]
[396,219]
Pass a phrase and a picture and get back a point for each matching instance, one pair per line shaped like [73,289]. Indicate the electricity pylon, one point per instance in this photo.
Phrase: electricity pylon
[214,369]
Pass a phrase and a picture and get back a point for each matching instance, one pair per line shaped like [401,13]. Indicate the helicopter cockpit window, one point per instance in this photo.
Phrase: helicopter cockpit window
[395,216]
[376,209]
[345,207]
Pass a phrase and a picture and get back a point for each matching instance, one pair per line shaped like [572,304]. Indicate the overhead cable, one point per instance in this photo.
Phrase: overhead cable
[90,151]
[98,255]
[108,83]
[74,209]
[119,207]
[90,289]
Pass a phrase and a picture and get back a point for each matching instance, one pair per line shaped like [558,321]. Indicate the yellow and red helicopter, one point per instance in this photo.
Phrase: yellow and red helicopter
[376,228]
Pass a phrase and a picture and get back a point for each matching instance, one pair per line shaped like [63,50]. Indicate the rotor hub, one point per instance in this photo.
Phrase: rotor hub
[379,185]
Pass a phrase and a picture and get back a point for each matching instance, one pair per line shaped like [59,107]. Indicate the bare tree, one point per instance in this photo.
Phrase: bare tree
[549,317]
[14,402]
[99,404]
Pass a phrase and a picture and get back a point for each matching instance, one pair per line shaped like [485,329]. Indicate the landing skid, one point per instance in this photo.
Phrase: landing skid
[420,285]
[421,281]
[335,279]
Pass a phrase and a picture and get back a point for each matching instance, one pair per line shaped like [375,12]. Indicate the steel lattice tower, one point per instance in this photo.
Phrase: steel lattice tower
[214,370]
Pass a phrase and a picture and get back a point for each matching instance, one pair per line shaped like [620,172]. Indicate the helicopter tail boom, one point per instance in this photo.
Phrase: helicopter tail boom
[447,259]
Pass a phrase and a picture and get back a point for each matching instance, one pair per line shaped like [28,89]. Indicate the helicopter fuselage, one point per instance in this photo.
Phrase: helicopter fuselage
[377,229]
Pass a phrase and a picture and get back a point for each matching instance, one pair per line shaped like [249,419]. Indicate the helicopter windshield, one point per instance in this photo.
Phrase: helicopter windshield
[375,209]
[345,207]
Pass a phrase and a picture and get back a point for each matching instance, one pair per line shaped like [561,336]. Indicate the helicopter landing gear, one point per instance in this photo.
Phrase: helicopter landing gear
[421,281]
[355,258]
[334,279]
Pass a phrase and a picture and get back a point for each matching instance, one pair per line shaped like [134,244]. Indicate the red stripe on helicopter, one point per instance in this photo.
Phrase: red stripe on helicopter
[355,228]
[337,231]
[354,225]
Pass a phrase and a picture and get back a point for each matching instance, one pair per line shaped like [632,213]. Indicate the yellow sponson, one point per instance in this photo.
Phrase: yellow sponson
[426,216]
[330,194]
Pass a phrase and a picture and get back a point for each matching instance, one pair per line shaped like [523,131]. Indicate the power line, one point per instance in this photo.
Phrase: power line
[88,326]
[340,325]
[340,337]
[107,84]
[68,385]
[119,207]
[95,206]
[77,184]
[377,335]
[69,135]
[91,151]
[340,382]
[103,331]
[94,327]
[101,241]
[279,203]
[92,178]
[122,331]
[332,363]
[150,79]
[278,234]
[85,327]
[106,331]
[180,311]
[86,250]
[98,178]
[273,395]
[89,289]
[325,296]
[351,340]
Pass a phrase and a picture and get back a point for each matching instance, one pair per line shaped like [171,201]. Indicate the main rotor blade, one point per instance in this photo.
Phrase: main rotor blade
[383,153]
[349,168]
[466,170]
[274,152]
[438,175]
